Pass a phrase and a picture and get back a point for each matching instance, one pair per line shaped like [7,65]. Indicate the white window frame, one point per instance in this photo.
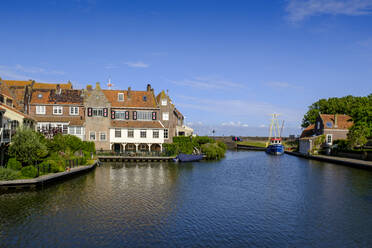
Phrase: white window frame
[164,102]
[40,110]
[90,135]
[155,134]
[144,115]
[57,110]
[74,110]
[117,131]
[97,112]
[100,136]
[165,116]
[119,97]
[166,134]
[143,132]
[132,133]
[329,137]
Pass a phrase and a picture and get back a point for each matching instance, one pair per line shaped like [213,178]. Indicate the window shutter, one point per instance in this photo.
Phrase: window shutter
[112,114]
[89,112]
[134,115]
[105,110]
[127,115]
[154,116]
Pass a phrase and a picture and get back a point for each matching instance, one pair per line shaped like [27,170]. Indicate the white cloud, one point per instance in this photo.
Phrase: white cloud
[20,72]
[263,126]
[234,124]
[299,10]
[209,83]
[138,64]
[111,66]
[233,108]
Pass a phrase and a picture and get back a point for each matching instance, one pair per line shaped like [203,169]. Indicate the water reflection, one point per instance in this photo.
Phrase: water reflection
[247,199]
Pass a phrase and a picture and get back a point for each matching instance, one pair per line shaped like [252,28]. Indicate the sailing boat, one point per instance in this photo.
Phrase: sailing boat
[274,146]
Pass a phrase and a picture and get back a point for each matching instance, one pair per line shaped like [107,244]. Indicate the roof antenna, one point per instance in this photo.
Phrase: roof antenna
[109,84]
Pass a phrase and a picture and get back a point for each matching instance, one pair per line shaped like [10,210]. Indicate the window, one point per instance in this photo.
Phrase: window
[102,136]
[120,97]
[144,115]
[165,133]
[97,112]
[40,96]
[1,98]
[74,110]
[329,139]
[57,110]
[9,102]
[144,98]
[92,135]
[130,133]
[143,134]
[165,116]
[40,110]
[117,133]
[318,125]
[121,115]
[79,130]
[75,130]
[155,134]
[64,129]
[164,102]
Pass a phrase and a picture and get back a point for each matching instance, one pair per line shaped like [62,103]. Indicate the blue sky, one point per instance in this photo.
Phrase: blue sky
[227,64]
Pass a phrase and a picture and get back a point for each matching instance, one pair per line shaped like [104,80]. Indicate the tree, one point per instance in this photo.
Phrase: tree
[26,147]
[358,134]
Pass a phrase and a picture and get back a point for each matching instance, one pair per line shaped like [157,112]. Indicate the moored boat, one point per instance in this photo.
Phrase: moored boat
[188,157]
[275,146]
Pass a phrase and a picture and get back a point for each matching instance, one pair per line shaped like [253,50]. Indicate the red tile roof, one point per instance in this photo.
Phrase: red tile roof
[309,131]
[6,107]
[37,85]
[137,124]
[135,100]
[343,121]
[73,120]
[51,97]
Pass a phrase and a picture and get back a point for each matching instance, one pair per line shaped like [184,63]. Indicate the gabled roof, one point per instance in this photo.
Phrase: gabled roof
[308,132]
[135,100]
[37,85]
[8,108]
[137,124]
[343,121]
[4,90]
[51,97]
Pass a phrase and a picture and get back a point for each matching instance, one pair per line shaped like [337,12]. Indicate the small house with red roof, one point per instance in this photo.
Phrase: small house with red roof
[332,126]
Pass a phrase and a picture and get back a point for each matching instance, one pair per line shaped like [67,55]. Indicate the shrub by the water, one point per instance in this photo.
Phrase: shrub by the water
[222,145]
[201,140]
[213,151]
[14,164]
[8,174]
[29,171]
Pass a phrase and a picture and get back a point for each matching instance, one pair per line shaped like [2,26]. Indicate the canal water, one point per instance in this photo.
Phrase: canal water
[248,199]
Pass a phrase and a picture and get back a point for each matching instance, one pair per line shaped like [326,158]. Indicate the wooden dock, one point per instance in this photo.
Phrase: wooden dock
[134,159]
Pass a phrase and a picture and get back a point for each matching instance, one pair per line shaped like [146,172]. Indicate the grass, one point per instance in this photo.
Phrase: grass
[253,143]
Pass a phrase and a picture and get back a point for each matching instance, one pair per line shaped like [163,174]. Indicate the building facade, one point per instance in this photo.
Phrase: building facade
[135,124]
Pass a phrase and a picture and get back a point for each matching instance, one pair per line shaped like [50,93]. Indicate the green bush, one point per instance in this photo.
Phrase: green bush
[89,146]
[222,145]
[29,171]
[201,140]
[213,151]
[171,149]
[8,174]
[14,164]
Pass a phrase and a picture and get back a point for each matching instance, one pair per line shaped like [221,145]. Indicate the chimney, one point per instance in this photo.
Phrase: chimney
[58,89]
[129,91]
[336,126]
[98,86]
[148,87]
[89,87]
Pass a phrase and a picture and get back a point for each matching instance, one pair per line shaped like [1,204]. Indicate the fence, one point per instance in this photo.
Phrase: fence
[133,154]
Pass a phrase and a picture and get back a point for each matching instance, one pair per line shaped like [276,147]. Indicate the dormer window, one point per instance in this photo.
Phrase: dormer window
[144,98]
[2,98]
[164,102]
[39,96]
[121,97]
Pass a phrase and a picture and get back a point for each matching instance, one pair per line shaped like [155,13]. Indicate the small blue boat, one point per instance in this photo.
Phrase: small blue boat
[275,147]
[188,157]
